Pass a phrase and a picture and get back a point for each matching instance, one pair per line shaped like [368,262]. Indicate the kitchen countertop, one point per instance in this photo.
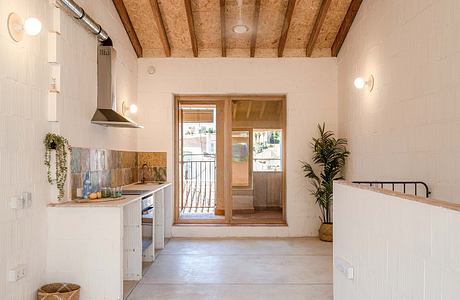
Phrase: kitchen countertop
[127,199]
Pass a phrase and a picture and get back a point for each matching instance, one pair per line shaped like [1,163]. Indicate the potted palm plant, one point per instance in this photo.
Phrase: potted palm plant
[329,156]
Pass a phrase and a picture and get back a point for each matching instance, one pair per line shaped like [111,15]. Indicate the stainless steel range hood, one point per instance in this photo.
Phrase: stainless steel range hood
[106,113]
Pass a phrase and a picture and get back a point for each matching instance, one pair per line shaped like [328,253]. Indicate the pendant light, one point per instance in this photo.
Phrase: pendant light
[240,27]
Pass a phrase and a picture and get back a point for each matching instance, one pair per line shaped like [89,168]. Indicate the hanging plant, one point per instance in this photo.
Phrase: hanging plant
[61,147]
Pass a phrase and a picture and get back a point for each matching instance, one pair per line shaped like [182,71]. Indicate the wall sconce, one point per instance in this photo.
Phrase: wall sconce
[132,108]
[17,27]
[360,83]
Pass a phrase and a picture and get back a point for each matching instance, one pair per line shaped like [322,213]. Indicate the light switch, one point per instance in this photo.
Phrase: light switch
[16,203]
[27,199]
[344,267]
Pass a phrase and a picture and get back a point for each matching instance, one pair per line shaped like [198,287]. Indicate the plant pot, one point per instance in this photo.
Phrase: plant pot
[59,291]
[325,232]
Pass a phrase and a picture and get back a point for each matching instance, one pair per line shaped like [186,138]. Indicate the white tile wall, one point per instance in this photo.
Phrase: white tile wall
[407,128]
[310,85]
[23,72]
[24,79]
[78,99]
[399,249]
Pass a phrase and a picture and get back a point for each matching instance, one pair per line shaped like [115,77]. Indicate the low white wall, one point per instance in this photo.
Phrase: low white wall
[399,248]
[311,89]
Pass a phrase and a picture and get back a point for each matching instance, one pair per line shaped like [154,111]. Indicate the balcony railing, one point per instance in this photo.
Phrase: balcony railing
[198,183]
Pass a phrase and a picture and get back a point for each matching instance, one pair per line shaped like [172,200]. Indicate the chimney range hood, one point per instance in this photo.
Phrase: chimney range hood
[106,114]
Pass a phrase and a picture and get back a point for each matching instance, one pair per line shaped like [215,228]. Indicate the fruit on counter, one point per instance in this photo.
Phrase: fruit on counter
[99,195]
[93,196]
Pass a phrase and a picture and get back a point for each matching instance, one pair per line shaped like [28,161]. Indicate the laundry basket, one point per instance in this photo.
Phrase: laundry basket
[59,291]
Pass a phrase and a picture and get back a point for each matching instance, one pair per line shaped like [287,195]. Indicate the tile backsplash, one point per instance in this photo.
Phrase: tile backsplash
[115,168]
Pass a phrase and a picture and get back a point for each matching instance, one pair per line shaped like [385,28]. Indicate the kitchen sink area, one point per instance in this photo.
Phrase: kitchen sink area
[116,241]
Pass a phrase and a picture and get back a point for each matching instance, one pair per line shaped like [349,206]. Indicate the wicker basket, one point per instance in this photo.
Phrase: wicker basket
[325,232]
[59,291]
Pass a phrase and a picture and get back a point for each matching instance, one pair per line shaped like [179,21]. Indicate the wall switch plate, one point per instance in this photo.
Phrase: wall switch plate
[79,193]
[27,199]
[17,273]
[16,203]
[344,267]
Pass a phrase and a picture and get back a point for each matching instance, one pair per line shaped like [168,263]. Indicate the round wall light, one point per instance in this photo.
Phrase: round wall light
[360,83]
[133,108]
[17,27]
[32,26]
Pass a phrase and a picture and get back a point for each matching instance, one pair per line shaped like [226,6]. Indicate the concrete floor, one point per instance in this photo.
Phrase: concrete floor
[286,269]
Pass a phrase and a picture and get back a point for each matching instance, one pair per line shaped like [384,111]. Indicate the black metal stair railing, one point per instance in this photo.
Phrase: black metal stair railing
[404,184]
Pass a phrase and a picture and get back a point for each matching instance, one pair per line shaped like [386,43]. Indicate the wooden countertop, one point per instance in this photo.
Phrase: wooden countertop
[127,199]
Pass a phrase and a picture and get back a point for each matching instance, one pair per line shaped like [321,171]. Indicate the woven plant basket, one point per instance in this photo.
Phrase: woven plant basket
[325,232]
[59,291]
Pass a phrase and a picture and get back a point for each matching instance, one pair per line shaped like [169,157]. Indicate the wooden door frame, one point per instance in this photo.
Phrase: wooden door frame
[227,165]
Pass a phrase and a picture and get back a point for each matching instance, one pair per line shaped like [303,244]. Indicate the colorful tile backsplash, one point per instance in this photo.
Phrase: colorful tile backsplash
[111,168]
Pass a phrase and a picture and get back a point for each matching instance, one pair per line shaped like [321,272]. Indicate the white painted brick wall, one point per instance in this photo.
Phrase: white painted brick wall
[407,128]
[400,249]
[24,80]
[23,75]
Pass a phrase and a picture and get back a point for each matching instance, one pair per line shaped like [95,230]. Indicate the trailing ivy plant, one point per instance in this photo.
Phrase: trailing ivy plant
[61,147]
[329,154]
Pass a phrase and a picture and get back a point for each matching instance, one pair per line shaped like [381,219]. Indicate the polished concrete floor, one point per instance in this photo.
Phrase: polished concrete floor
[247,269]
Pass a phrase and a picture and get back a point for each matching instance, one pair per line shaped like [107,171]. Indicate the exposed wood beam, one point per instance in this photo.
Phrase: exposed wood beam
[223,28]
[262,111]
[235,104]
[248,113]
[317,26]
[160,26]
[255,27]
[345,27]
[191,26]
[123,13]
[286,24]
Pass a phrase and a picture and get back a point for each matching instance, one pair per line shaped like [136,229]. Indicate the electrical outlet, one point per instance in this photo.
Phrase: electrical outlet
[16,203]
[17,273]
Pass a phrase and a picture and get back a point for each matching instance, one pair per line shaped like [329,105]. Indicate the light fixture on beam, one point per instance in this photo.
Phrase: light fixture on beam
[360,83]
[240,27]
[17,27]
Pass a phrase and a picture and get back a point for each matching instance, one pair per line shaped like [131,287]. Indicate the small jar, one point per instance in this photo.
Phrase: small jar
[113,192]
[105,192]
[119,191]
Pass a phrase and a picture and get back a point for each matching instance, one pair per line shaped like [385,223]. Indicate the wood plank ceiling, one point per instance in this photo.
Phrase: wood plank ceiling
[203,28]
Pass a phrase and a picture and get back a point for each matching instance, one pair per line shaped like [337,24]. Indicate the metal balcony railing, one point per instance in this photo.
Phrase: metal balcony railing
[414,186]
[198,183]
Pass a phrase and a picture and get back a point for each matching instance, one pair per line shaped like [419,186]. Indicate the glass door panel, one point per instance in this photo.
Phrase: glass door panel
[197,128]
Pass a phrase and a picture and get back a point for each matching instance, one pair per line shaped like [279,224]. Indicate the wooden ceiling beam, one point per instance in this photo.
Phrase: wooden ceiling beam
[160,26]
[345,27]
[320,17]
[286,24]
[128,25]
[248,113]
[262,111]
[223,29]
[191,26]
[255,27]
